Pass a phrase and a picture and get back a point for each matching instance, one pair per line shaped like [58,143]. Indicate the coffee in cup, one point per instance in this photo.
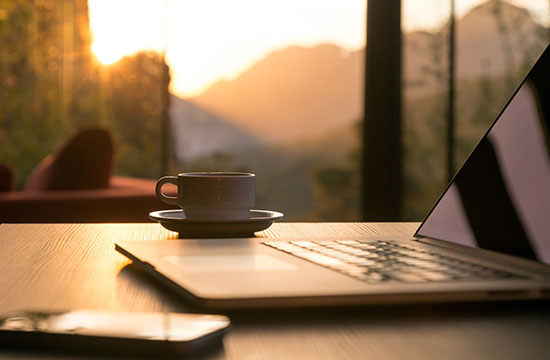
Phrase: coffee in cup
[211,195]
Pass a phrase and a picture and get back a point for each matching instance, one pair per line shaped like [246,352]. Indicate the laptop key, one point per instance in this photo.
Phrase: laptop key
[434,276]
[371,277]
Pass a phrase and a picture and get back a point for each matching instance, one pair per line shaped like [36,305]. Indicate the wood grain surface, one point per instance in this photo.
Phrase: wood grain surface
[74,266]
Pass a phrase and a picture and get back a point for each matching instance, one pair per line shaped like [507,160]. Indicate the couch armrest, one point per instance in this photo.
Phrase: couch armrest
[6,177]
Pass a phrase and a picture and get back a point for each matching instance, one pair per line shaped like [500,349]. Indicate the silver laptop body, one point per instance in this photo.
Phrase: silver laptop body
[487,237]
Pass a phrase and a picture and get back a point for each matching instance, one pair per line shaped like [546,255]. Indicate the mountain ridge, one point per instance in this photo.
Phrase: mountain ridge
[274,94]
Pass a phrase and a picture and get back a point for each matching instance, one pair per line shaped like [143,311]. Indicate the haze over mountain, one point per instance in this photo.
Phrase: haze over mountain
[198,132]
[297,92]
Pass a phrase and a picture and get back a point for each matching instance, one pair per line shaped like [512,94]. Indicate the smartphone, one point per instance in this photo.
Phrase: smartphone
[112,333]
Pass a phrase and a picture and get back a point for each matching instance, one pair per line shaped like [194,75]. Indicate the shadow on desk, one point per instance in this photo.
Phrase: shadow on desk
[215,354]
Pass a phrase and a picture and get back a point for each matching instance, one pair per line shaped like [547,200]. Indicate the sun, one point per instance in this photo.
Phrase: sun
[125,27]
[106,53]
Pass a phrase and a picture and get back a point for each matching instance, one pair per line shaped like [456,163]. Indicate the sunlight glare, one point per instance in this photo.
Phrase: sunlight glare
[211,40]
[106,53]
[125,27]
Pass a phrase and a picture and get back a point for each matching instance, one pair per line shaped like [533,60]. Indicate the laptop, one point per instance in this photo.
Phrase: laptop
[486,238]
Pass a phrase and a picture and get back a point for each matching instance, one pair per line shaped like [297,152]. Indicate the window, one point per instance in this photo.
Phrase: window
[496,44]
[273,88]
[270,87]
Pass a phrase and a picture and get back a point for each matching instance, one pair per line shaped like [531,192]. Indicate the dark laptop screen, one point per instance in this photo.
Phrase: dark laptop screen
[500,198]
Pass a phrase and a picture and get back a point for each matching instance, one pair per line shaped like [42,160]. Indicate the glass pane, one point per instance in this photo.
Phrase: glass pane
[496,44]
[273,88]
[425,77]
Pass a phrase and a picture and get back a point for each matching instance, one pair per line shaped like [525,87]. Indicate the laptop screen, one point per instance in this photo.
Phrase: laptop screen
[500,198]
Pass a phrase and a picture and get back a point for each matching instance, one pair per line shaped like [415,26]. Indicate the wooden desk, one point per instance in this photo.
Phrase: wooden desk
[70,266]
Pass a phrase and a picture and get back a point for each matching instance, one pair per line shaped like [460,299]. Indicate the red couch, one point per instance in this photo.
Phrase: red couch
[75,185]
[124,200]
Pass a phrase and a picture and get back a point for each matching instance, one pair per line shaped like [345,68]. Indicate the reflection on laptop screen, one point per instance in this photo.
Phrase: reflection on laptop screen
[500,198]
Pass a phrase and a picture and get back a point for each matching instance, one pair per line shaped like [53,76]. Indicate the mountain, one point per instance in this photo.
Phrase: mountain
[496,36]
[300,92]
[292,93]
[198,132]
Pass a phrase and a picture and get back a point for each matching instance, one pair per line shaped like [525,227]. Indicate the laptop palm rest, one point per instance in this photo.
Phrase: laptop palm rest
[231,263]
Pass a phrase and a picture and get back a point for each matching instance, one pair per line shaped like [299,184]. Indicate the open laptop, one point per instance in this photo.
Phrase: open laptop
[487,237]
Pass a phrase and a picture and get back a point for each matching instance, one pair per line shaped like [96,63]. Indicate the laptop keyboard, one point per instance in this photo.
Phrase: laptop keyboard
[389,261]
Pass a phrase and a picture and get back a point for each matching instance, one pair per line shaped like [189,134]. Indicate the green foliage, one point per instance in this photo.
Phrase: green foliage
[133,95]
[217,162]
[337,194]
[336,187]
[30,106]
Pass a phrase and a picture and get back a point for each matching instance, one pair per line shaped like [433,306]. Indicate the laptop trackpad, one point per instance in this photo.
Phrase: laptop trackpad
[231,262]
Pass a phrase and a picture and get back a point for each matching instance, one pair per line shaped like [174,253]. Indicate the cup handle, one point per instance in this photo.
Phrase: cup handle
[173,200]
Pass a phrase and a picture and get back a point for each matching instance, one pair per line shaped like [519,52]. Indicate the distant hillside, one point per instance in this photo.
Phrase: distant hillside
[292,93]
[286,174]
[497,36]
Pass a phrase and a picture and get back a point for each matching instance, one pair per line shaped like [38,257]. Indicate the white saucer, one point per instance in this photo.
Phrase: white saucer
[175,220]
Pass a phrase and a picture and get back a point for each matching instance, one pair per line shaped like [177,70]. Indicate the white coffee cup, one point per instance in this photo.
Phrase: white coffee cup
[211,195]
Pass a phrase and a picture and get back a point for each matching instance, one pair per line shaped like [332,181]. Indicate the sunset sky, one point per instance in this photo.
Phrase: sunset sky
[210,40]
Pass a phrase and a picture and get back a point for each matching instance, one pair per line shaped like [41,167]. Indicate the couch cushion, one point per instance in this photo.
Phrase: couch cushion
[125,200]
[85,161]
